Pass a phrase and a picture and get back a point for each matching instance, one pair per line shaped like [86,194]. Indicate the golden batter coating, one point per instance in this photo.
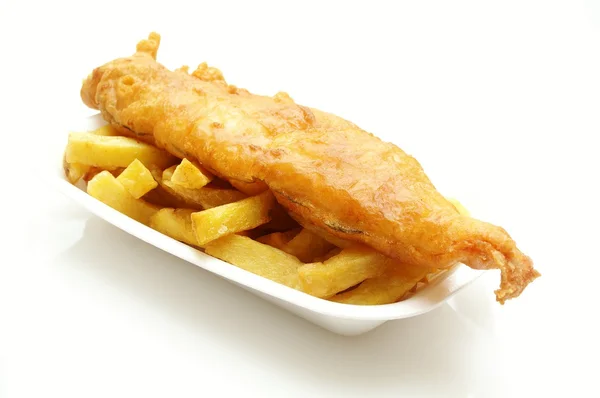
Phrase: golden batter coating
[328,173]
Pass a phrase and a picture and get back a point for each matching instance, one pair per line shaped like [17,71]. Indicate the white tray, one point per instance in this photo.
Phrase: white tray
[339,318]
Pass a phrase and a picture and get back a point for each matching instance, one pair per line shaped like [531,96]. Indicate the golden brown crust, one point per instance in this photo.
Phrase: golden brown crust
[326,171]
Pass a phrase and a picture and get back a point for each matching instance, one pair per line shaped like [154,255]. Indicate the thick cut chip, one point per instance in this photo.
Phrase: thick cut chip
[165,196]
[205,197]
[107,130]
[278,239]
[388,288]
[352,266]
[333,252]
[168,173]
[105,187]
[231,218]
[176,223]
[74,171]
[160,197]
[93,171]
[109,152]
[137,179]
[257,258]
[190,175]
[307,246]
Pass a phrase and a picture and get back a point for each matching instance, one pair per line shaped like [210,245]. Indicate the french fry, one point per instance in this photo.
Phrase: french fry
[278,239]
[235,217]
[352,266]
[257,258]
[190,175]
[92,171]
[164,196]
[275,239]
[306,246]
[245,233]
[205,197]
[106,130]
[249,188]
[167,173]
[160,197]
[137,179]
[113,151]
[333,252]
[105,187]
[388,288]
[176,223]
[77,171]
[74,171]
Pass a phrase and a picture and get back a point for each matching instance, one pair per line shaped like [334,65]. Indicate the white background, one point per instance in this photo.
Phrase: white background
[498,100]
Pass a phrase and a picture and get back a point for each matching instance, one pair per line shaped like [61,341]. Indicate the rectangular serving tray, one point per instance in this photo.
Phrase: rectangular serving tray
[344,319]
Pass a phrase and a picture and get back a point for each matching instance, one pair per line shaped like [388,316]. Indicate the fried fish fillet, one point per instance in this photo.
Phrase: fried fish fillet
[329,174]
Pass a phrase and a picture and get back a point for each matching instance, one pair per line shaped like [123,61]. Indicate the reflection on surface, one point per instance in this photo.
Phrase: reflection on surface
[448,349]
[477,304]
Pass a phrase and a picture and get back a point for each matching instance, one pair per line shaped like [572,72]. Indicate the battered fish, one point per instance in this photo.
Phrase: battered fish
[330,175]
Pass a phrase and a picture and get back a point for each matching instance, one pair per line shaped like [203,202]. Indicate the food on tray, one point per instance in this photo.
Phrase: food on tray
[176,223]
[189,175]
[232,218]
[324,207]
[205,198]
[106,188]
[278,239]
[75,171]
[137,179]
[387,288]
[113,151]
[307,246]
[257,258]
[344,270]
